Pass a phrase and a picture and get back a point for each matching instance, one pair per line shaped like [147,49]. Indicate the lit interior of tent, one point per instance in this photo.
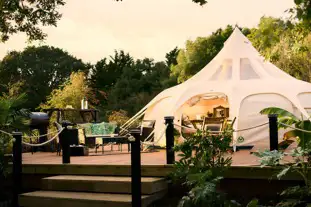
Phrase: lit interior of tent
[205,105]
[210,105]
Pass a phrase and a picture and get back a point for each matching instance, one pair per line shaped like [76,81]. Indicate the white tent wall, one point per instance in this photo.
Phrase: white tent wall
[250,116]
[305,100]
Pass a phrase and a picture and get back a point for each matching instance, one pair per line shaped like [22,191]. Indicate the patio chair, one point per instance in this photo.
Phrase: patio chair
[214,125]
[147,128]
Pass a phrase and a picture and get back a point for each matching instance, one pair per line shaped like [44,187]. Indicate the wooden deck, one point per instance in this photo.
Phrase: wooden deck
[115,157]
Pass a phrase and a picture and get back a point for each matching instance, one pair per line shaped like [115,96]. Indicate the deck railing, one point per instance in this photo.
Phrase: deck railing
[135,155]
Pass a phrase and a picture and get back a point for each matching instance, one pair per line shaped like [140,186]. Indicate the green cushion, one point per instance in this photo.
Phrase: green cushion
[99,129]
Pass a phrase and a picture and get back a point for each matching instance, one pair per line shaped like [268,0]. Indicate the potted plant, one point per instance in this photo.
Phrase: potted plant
[209,114]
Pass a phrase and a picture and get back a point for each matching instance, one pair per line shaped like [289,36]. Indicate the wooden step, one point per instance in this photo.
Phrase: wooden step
[101,184]
[90,169]
[81,199]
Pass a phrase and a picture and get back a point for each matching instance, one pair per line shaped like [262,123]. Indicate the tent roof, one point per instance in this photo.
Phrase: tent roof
[239,60]
[237,67]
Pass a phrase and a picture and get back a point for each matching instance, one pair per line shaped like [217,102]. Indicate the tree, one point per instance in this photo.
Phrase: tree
[302,10]
[104,75]
[137,85]
[199,53]
[27,16]
[70,93]
[42,69]
[268,34]
[171,57]
[294,56]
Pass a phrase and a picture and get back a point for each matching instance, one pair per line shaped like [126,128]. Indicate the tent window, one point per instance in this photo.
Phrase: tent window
[216,74]
[224,72]
[246,70]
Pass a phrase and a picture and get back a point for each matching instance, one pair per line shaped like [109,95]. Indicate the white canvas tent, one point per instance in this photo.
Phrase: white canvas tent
[239,76]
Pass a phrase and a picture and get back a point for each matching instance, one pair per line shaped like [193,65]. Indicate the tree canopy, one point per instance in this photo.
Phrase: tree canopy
[41,69]
[268,34]
[302,10]
[70,93]
[27,16]
[137,82]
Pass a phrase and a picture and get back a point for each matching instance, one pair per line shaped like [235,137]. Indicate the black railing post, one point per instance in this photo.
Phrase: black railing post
[170,154]
[273,131]
[64,139]
[136,168]
[17,167]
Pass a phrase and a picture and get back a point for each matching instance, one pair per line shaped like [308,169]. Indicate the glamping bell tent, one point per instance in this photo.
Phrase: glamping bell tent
[239,81]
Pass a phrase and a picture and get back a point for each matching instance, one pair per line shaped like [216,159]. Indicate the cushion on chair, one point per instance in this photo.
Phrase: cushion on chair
[213,127]
[102,128]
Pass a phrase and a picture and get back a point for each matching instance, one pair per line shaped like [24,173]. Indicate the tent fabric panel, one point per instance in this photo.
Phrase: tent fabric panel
[250,116]
[305,101]
[246,70]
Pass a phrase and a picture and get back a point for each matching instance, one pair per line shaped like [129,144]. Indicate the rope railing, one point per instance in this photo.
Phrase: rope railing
[7,133]
[254,127]
[43,135]
[44,143]
[239,130]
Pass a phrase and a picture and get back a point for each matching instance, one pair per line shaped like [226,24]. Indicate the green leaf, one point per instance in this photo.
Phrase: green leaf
[280,112]
[253,203]
[298,1]
[283,172]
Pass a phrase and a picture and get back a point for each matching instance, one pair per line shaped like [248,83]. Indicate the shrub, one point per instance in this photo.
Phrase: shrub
[204,159]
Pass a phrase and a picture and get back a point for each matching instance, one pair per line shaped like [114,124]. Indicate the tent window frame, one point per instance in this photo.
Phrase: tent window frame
[254,74]
[226,66]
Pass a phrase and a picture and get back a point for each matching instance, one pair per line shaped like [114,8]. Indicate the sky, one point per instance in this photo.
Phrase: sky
[92,30]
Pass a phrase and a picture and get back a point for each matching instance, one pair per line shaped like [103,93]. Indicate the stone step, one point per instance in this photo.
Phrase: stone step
[82,199]
[101,184]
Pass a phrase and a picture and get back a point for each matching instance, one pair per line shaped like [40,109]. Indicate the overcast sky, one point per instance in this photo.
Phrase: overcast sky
[93,29]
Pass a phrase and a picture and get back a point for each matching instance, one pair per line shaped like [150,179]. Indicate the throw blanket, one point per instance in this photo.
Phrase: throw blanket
[101,129]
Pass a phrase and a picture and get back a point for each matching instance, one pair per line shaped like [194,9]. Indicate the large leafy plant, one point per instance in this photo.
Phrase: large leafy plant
[300,130]
[204,159]
[293,196]
[12,117]
[286,120]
